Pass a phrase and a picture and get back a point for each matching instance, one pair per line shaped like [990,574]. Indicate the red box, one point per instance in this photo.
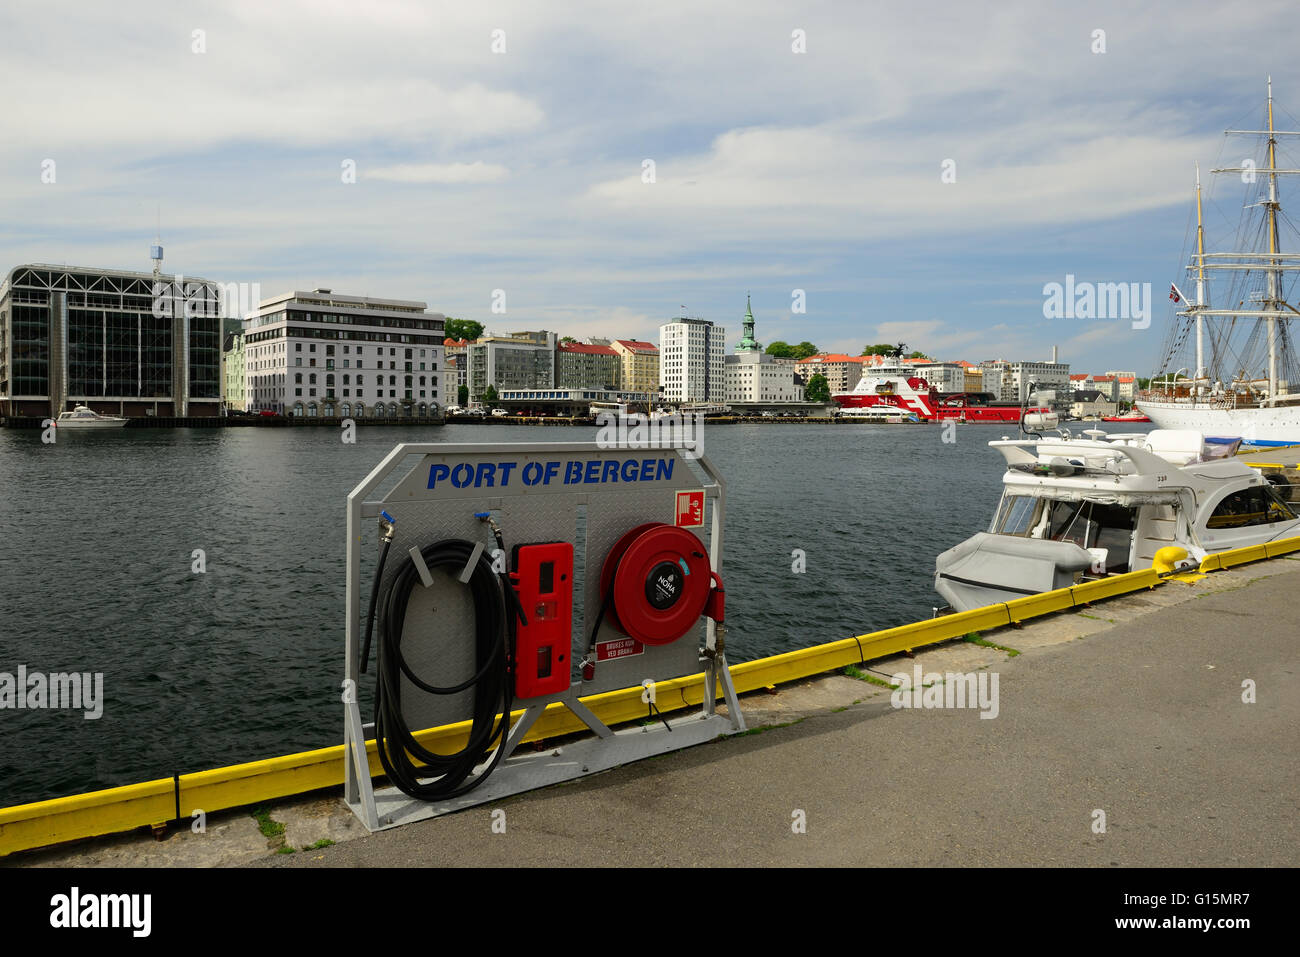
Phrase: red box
[543,580]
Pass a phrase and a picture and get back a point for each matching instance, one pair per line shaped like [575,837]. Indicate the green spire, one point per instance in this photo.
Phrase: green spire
[747,341]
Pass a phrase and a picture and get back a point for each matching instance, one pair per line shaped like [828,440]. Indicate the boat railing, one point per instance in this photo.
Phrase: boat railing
[1166,394]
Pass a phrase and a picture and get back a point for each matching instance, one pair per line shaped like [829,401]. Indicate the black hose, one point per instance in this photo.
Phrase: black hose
[374,598]
[492,683]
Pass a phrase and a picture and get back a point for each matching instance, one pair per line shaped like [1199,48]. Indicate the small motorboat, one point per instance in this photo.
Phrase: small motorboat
[1078,509]
[82,417]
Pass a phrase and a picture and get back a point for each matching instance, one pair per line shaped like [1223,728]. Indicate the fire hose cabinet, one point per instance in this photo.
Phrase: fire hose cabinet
[543,580]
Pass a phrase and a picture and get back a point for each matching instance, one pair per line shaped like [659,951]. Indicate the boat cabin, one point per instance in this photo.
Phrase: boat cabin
[1074,510]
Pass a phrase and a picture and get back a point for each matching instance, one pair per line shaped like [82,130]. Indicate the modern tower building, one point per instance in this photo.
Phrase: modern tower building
[690,361]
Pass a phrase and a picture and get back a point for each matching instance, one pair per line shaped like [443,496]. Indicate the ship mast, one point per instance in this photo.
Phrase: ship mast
[1200,285]
[1270,305]
[1274,280]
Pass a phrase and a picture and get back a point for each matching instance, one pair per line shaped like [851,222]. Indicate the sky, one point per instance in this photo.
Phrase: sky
[918,171]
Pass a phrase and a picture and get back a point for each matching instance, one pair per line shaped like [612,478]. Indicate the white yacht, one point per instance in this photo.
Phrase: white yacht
[1076,509]
[82,417]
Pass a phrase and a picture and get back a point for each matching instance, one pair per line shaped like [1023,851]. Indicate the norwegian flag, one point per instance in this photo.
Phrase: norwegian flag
[1173,293]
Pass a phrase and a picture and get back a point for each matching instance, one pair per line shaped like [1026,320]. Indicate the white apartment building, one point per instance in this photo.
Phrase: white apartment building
[690,361]
[318,353]
[759,377]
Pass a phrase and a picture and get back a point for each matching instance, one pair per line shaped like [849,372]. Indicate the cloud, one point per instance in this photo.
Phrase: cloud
[851,180]
[775,170]
[476,172]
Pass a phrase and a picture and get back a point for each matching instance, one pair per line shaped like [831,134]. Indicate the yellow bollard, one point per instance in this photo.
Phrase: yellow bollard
[1167,559]
[1166,564]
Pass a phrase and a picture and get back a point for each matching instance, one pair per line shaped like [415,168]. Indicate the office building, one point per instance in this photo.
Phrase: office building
[319,353]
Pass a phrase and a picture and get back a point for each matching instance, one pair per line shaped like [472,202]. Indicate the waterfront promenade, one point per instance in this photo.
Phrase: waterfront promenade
[1132,707]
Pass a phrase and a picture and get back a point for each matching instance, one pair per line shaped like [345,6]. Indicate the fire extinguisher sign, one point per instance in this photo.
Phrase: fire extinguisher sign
[690,509]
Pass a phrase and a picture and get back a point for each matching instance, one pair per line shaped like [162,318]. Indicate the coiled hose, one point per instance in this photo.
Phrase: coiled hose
[492,684]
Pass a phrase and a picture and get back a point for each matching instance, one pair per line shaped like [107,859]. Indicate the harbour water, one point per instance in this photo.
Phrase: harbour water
[99,533]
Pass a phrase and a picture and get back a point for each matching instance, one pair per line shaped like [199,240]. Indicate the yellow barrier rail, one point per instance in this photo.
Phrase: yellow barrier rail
[86,815]
[155,803]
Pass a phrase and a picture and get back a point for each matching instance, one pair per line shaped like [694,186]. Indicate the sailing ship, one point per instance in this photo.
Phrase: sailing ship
[1229,365]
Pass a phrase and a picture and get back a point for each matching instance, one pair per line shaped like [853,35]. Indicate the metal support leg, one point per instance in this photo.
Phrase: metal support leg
[729,692]
[526,721]
[359,764]
[586,717]
[709,704]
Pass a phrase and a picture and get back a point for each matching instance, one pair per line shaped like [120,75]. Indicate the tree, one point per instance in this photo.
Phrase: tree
[462,396]
[888,349]
[1144,383]
[818,389]
[463,329]
[490,395]
[805,349]
[782,350]
[567,339]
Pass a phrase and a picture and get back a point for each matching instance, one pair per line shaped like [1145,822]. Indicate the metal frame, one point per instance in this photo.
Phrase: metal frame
[516,773]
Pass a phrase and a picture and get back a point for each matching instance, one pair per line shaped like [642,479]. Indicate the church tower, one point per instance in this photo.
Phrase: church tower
[747,341]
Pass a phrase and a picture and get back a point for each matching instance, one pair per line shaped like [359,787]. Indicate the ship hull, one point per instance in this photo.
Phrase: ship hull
[1280,426]
[79,424]
[921,406]
[977,414]
[903,403]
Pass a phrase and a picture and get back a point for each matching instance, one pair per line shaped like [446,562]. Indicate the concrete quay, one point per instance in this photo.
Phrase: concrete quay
[1123,738]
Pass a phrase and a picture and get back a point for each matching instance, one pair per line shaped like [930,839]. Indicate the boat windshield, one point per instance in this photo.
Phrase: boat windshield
[1087,524]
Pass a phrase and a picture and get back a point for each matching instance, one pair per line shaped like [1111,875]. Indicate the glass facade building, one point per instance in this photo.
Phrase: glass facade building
[123,343]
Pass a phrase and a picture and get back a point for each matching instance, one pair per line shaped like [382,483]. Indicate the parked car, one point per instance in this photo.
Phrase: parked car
[500,413]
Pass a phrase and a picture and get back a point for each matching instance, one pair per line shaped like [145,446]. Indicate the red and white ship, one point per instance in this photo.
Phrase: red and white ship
[891,383]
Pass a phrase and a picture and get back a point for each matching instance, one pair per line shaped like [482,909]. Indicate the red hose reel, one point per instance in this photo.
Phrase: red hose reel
[657,582]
